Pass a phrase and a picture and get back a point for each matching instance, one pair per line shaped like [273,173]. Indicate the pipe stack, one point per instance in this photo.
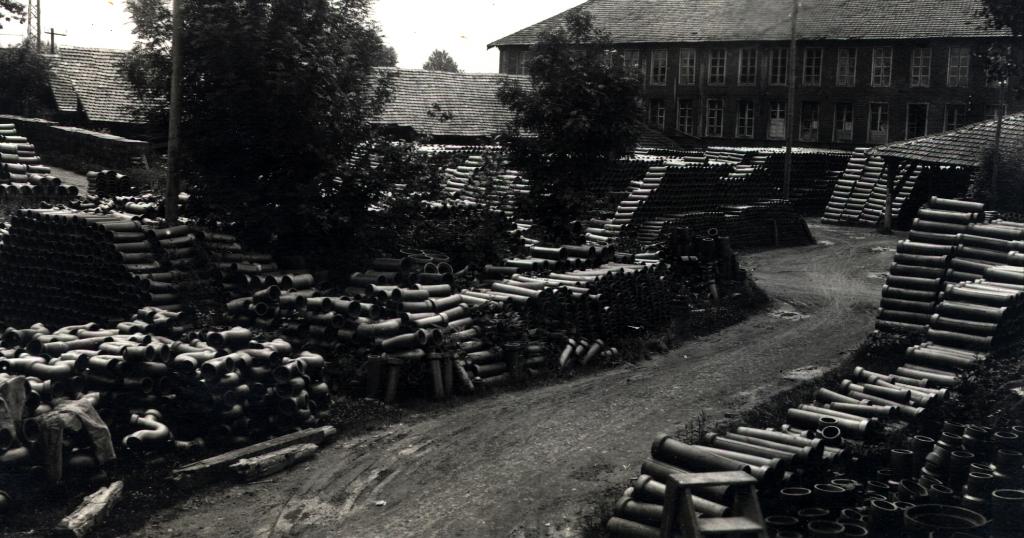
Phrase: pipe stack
[110,183]
[920,266]
[157,393]
[981,246]
[22,174]
[61,266]
[596,303]
[64,267]
[235,265]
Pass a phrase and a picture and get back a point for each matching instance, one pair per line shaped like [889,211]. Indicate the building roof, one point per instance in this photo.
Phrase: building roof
[90,80]
[466,103]
[965,146]
[680,21]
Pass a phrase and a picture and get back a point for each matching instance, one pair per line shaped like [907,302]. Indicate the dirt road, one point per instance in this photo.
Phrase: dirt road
[534,462]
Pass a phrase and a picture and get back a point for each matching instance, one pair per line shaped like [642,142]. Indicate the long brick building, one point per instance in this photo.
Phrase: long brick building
[868,71]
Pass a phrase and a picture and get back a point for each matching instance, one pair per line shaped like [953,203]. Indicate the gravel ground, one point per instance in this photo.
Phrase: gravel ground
[537,462]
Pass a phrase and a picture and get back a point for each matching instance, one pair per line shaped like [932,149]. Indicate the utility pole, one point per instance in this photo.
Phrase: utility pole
[173,141]
[28,20]
[998,155]
[791,106]
[53,43]
[39,25]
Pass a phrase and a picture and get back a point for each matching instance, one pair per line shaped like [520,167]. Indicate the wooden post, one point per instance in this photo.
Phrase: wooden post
[892,169]
[999,135]
[173,140]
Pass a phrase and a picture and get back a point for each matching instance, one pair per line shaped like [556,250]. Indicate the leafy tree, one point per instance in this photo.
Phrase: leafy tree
[581,112]
[11,11]
[276,138]
[24,86]
[385,57]
[1001,61]
[440,60]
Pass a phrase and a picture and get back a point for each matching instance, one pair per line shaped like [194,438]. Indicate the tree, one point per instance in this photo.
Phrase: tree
[276,100]
[24,86]
[11,11]
[385,57]
[440,60]
[1001,61]
[581,112]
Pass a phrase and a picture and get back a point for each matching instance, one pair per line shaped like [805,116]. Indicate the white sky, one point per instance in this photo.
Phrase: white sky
[413,27]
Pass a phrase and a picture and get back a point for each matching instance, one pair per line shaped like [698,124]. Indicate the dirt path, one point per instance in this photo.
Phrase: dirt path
[534,462]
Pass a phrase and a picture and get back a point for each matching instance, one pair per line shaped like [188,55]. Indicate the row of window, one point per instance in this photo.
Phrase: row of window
[810,119]
[958,64]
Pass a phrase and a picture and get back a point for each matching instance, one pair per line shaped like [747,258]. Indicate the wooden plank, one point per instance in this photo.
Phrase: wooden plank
[249,469]
[206,470]
[91,512]
[728,525]
[722,478]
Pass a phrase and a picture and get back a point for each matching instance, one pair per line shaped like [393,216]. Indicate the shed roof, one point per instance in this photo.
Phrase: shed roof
[965,146]
[90,80]
[442,104]
[680,21]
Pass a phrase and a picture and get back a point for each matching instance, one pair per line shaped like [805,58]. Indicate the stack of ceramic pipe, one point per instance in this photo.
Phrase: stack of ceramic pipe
[64,267]
[109,183]
[920,265]
[639,511]
[981,246]
[157,393]
[236,266]
[22,174]
[597,303]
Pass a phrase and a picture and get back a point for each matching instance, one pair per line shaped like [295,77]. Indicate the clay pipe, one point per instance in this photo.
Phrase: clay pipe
[153,434]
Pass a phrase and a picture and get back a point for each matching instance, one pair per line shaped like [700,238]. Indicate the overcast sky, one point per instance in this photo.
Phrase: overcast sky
[413,27]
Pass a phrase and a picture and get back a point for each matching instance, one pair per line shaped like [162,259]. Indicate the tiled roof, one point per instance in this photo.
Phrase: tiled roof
[674,21]
[467,103]
[90,79]
[964,146]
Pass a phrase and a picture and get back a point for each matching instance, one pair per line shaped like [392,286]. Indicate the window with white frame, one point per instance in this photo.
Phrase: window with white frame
[715,117]
[748,67]
[878,122]
[881,67]
[745,119]
[687,67]
[921,67]
[810,120]
[846,67]
[657,108]
[844,122]
[959,67]
[659,67]
[955,115]
[777,120]
[813,59]
[777,66]
[716,67]
[686,119]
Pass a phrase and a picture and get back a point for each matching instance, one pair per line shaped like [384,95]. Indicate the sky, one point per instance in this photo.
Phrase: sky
[413,27]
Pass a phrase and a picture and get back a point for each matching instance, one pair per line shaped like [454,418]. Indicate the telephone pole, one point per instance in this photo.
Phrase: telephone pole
[173,141]
[791,106]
